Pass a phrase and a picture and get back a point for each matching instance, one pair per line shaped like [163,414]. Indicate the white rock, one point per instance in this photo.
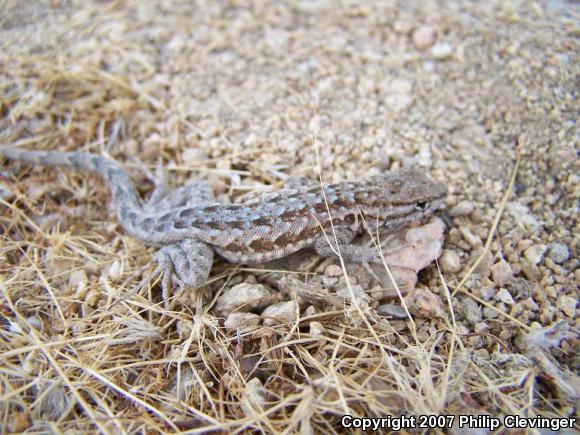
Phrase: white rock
[393,311]
[280,313]
[450,262]
[432,231]
[244,322]
[559,253]
[425,156]
[6,192]
[462,209]
[316,329]
[423,37]
[530,304]
[568,305]
[486,293]
[480,327]
[505,296]
[501,273]
[333,270]
[400,86]
[242,297]
[523,214]
[309,311]
[535,253]
[254,398]
[442,51]
[472,311]
[193,156]
[399,95]
[473,239]
[345,292]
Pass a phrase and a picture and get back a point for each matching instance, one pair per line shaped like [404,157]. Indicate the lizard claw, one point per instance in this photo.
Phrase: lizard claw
[186,264]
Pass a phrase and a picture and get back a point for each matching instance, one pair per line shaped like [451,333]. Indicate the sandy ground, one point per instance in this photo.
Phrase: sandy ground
[480,95]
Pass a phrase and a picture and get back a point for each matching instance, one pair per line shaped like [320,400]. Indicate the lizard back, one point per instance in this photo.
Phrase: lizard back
[267,228]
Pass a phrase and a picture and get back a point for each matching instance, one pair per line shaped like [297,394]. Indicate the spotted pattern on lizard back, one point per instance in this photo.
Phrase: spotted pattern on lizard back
[267,228]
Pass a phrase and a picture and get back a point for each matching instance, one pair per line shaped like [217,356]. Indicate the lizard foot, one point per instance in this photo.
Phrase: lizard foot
[186,264]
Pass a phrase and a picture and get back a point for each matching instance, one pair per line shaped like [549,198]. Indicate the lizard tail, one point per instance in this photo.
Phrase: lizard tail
[125,200]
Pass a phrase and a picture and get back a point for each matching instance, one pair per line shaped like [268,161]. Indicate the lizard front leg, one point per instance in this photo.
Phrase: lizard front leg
[325,245]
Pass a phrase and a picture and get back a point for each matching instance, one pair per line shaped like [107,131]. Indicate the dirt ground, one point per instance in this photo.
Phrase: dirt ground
[479,95]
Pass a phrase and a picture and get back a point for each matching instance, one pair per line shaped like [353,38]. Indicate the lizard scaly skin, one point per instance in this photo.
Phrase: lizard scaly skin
[191,226]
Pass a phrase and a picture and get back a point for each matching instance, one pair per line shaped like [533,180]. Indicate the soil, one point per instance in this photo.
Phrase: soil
[479,95]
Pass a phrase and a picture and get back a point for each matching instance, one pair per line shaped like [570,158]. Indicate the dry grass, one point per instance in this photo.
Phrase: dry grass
[86,343]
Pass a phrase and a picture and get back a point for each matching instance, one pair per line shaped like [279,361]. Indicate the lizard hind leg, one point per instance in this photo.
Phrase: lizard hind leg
[194,193]
[186,263]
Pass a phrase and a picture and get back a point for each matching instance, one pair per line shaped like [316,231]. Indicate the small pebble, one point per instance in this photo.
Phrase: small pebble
[483,354]
[425,157]
[486,293]
[333,270]
[490,313]
[559,253]
[245,322]
[505,296]
[5,192]
[442,51]
[255,397]
[535,253]
[523,215]
[392,311]
[501,273]
[92,297]
[329,282]
[524,244]
[531,271]
[192,156]
[472,311]
[403,26]
[551,291]
[316,329]
[568,305]
[530,304]
[473,239]
[280,313]
[505,334]
[450,262]
[242,297]
[484,266]
[423,37]
[345,292]
[424,303]
[480,327]
[462,209]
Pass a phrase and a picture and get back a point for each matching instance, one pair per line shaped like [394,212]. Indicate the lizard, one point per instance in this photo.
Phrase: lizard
[188,225]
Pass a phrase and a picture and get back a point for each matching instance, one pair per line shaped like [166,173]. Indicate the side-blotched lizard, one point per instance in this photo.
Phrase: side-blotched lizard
[189,225]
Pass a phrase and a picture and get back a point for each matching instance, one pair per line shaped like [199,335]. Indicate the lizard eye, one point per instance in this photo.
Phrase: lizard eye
[421,206]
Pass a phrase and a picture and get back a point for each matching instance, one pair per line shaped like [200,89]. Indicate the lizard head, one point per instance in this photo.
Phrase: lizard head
[406,196]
